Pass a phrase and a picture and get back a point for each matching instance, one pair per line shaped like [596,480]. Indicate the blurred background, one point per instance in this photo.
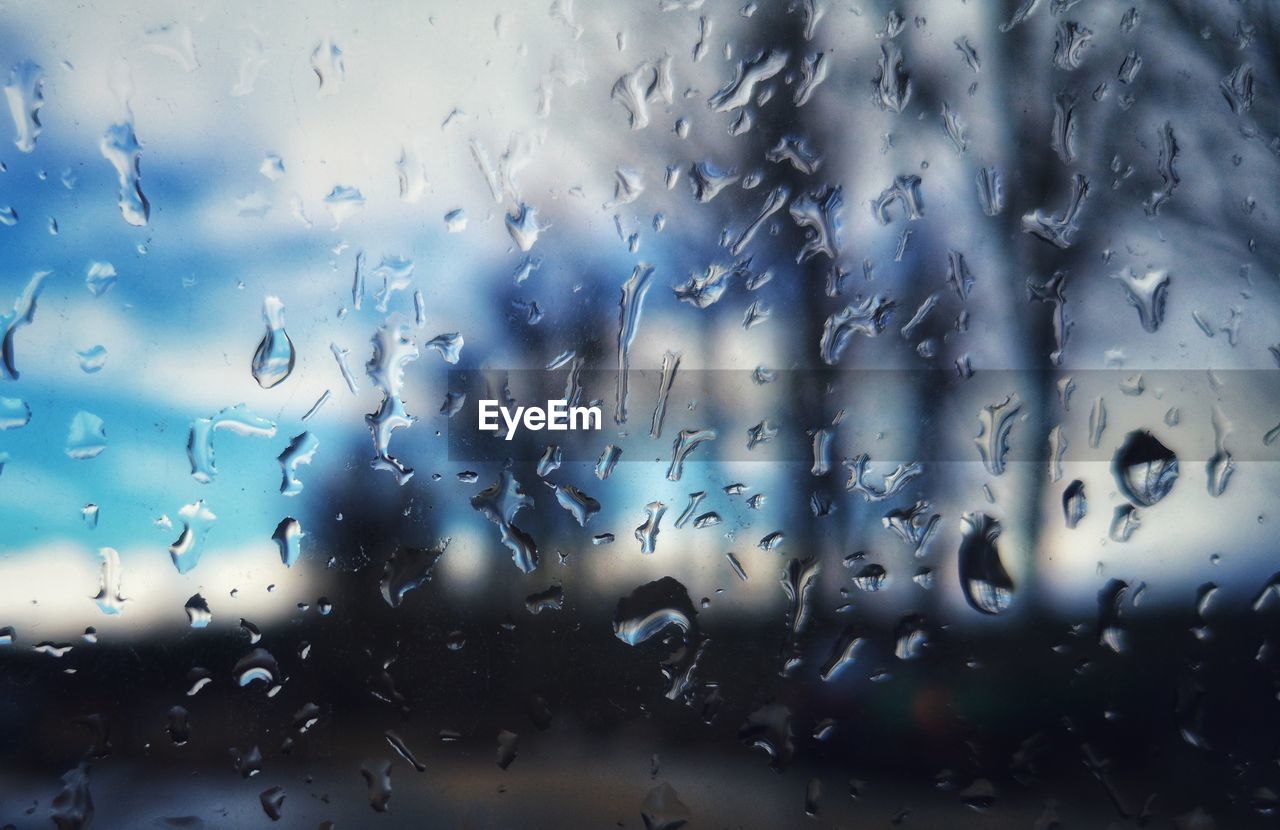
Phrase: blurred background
[936,346]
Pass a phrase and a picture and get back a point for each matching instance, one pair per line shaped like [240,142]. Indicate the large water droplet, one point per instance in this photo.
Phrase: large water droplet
[995,422]
[120,146]
[1144,468]
[274,358]
[499,503]
[406,569]
[581,506]
[392,350]
[14,413]
[187,548]
[272,801]
[737,93]
[25,96]
[24,310]
[662,809]
[288,538]
[258,666]
[330,69]
[198,613]
[648,611]
[986,584]
[1221,464]
[1147,294]
[86,437]
[631,306]
[109,597]
[769,728]
[73,805]
[301,450]
[647,533]
[1074,505]
[377,776]
[99,277]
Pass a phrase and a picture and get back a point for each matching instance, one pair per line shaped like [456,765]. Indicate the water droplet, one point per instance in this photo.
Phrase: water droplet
[24,310]
[179,728]
[761,433]
[377,776]
[648,83]
[272,801]
[257,667]
[288,538]
[72,807]
[86,437]
[771,540]
[580,505]
[524,227]
[986,584]
[1111,631]
[1074,506]
[995,421]
[448,346]
[551,599]
[343,202]
[892,82]
[301,450]
[508,743]
[1168,173]
[1220,465]
[406,569]
[25,96]
[1124,522]
[274,358]
[914,525]
[870,577]
[1147,294]
[646,612]
[769,728]
[247,764]
[499,503]
[868,319]
[910,637]
[196,522]
[685,443]
[631,307]
[235,419]
[1144,468]
[392,350]
[843,653]
[402,749]
[14,413]
[92,359]
[1059,230]
[662,809]
[455,221]
[647,533]
[120,147]
[198,613]
[893,482]
[819,214]
[330,68]
[109,597]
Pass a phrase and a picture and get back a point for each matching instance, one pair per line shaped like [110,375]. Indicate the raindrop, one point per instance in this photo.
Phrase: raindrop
[25,96]
[986,584]
[86,437]
[274,358]
[1144,468]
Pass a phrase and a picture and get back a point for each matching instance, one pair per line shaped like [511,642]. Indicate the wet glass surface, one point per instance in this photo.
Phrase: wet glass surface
[932,349]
